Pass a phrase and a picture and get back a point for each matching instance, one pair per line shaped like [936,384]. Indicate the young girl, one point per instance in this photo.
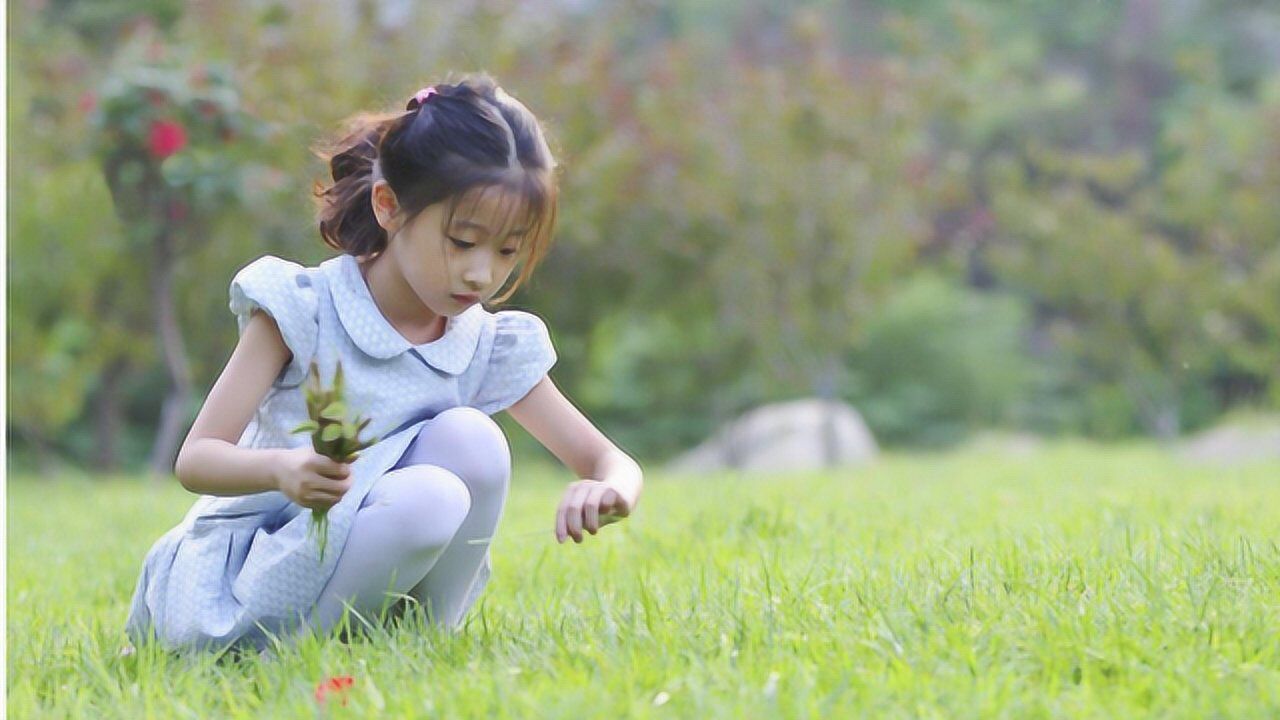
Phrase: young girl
[432,210]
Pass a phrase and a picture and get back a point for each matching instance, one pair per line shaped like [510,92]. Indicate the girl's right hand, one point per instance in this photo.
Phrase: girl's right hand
[311,479]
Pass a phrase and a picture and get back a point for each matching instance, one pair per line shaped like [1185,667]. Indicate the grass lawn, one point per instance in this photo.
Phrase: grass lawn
[1077,582]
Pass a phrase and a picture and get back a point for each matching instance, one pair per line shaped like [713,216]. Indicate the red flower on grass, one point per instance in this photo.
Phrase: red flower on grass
[165,138]
[334,685]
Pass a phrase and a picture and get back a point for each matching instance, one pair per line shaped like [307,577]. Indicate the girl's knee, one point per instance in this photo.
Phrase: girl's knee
[479,429]
[426,503]
[478,448]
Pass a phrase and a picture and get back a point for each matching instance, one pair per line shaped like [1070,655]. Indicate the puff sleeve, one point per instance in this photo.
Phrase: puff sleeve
[522,355]
[282,289]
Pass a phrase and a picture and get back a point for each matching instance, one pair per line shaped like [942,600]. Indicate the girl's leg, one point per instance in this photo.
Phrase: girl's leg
[401,528]
[470,445]
[411,530]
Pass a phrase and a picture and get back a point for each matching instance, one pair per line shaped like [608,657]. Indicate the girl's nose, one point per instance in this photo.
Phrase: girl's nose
[478,276]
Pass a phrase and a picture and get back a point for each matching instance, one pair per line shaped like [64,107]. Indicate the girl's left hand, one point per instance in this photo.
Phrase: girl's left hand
[589,504]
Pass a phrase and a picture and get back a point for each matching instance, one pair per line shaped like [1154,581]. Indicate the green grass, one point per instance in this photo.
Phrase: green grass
[1077,582]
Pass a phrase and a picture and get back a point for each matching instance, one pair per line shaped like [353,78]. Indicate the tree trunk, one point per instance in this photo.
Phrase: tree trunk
[151,201]
[1141,79]
[1158,405]
[108,417]
[173,415]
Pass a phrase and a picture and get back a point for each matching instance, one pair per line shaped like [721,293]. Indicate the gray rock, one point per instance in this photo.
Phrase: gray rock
[799,435]
[1255,441]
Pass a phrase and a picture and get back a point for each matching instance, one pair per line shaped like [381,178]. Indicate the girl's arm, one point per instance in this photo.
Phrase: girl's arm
[549,416]
[209,461]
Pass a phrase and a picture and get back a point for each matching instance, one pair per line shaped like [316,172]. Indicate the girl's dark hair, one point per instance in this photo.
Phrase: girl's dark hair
[453,147]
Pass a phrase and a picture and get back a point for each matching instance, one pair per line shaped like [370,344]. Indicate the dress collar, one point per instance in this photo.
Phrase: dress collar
[451,353]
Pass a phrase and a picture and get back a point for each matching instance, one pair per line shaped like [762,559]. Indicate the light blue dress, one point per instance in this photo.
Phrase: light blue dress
[237,567]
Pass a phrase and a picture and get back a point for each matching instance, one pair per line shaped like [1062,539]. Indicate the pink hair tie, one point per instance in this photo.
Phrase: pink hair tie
[422,95]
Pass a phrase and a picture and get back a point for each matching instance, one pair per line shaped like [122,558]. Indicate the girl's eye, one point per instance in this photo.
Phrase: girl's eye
[467,245]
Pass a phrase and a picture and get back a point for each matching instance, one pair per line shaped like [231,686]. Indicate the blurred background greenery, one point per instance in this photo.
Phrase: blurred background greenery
[1046,216]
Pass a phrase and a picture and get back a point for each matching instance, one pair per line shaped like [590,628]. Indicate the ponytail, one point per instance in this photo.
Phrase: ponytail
[345,207]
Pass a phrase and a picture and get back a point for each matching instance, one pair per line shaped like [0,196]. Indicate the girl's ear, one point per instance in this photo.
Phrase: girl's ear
[385,205]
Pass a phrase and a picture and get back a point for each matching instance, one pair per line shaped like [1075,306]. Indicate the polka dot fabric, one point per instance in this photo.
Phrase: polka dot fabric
[522,354]
[283,289]
[238,569]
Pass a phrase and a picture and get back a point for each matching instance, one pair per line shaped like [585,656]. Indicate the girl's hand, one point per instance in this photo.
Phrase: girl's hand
[589,504]
[311,479]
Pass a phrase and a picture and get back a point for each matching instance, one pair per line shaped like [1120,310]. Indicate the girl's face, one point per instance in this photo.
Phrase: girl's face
[451,269]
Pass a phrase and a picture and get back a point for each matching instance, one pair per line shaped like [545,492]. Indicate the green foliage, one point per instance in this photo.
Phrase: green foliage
[101,22]
[743,186]
[164,131]
[939,359]
[64,327]
[332,434]
[650,374]
[1218,189]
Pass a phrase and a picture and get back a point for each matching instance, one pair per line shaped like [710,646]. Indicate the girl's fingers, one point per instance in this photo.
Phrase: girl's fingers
[562,526]
[327,487]
[589,505]
[331,488]
[591,510]
[611,503]
[324,497]
[574,517]
[596,497]
[573,501]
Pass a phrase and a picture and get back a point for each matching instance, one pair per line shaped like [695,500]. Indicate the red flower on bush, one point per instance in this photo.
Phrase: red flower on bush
[88,101]
[165,138]
[334,685]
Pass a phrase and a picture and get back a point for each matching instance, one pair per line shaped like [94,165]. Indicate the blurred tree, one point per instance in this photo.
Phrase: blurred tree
[1081,183]
[938,359]
[1218,199]
[1118,293]
[103,23]
[73,333]
[163,131]
[738,177]
[818,220]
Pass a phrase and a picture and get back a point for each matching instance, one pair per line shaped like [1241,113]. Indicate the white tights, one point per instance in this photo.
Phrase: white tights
[412,529]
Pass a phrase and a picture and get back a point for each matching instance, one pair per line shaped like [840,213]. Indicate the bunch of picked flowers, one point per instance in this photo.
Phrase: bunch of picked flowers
[332,434]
